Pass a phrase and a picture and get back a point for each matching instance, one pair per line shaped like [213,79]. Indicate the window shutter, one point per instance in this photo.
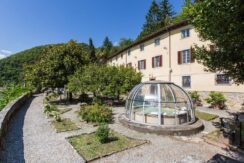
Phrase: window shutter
[161,61]
[191,54]
[138,65]
[145,64]
[192,57]
[152,62]
[179,57]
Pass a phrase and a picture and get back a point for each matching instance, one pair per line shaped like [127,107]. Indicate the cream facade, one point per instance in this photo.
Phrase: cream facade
[173,60]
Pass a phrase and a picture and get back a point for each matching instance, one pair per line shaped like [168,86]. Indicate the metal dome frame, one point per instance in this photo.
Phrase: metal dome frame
[189,113]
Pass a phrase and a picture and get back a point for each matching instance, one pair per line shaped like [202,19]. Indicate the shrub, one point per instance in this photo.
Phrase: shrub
[57,116]
[102,133]
[195,98]
[216,99]
[48,109]
[96,113]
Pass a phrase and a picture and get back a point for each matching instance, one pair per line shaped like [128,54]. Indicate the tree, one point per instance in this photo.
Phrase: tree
[166,12]
[124,42]
[103,80]
[107,44]
[105,50]
[183,15]
[92,51]
[153,19]
[56,65]
[221,22]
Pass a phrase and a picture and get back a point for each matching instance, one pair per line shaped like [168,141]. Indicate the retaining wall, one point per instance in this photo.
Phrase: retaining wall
[8,112]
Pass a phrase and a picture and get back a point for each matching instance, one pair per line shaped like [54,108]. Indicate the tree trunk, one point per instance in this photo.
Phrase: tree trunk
[69,96]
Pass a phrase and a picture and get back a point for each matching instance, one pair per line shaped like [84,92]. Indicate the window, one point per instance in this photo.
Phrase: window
[142,47]
[157,41]
[222,79]
[116,58]
[128,52]
[186,81]
[142,64]
[185,33]
[121,56]
[185,57]
[129,65]
[157,61]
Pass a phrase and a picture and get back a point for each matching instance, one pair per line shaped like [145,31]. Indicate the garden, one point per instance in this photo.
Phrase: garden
[93,119]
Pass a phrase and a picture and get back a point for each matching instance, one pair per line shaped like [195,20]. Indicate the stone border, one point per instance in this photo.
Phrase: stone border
[180,130]
[8,112]
[109,154]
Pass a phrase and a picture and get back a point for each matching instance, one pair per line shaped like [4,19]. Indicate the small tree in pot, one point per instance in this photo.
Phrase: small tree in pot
[216,99]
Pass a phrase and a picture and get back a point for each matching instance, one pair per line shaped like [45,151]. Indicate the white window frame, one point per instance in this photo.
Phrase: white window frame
[185,33]
[157,42]
[182,78]
[222,83]
[141,62]
[185,56]
[156,61]
[142,47]
[129,52]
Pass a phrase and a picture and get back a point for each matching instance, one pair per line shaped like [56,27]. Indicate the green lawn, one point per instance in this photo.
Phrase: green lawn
[88,146]
[64,125]
[214,136]
[205,116]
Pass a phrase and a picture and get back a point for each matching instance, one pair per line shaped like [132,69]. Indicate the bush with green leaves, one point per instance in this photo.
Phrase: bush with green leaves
[48,109]
[11,92]
[96,113]
[102,133]
[216,99]
[57,116]
[195,98]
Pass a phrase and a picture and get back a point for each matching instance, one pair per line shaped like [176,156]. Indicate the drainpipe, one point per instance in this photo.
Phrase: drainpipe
[126,59]
[170,69]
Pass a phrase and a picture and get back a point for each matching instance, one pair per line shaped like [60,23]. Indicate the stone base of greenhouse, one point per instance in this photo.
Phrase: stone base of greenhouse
[180,130]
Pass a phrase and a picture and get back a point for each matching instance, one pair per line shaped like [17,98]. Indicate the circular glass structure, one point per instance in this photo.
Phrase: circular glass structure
[159,103]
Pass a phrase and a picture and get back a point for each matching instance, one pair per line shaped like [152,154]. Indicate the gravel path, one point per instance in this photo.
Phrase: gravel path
[31,139]
[165,148]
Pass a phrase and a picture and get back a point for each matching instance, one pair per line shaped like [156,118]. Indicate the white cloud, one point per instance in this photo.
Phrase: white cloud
[2,56]
[116,43]
[4,53]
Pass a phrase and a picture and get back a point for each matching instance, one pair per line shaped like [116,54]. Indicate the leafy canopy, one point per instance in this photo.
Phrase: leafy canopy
[221,22]
[56,65]
[103,80]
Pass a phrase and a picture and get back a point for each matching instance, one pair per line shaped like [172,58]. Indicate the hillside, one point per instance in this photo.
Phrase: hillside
[12,67]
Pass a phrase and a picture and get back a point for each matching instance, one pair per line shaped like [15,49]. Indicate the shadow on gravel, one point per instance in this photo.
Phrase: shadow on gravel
[218,158]
[13,144]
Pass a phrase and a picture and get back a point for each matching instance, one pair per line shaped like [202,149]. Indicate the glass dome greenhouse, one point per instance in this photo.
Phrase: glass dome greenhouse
[159,103]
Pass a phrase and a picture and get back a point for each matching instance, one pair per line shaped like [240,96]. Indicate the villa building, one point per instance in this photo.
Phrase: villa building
[166,55]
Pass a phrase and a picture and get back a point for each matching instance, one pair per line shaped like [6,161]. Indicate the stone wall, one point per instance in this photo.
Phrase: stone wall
[234,100]
[8,112]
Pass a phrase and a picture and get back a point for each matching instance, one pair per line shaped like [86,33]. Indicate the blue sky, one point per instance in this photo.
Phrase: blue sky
[28,23]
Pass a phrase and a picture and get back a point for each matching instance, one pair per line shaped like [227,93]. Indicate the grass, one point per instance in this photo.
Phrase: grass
[64,125]
[205,116]
[88,146]
[214,136]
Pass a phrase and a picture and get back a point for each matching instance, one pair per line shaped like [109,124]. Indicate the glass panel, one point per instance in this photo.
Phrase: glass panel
[180,95]
[165,104]
[166,94]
